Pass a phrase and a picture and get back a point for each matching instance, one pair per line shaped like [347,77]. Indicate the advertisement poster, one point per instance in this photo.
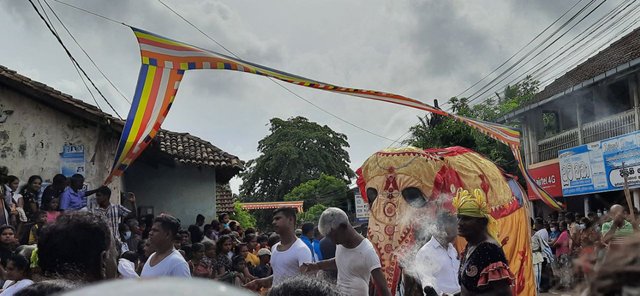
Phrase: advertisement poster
[547,177]
[623,149]
[72,160]
[597,167]
[362,208]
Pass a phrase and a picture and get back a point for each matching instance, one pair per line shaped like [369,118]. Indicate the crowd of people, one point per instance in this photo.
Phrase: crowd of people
[568,246]
[64,236]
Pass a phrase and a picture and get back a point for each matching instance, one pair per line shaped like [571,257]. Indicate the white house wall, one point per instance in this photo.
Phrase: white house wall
[181,191]
[33,136]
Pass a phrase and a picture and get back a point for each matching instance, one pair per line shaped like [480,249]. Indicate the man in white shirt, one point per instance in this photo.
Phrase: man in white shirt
[287,256]
[356,260]
[165,261]
[437,261]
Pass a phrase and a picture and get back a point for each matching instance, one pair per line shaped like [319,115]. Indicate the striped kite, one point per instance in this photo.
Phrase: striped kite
[164,62]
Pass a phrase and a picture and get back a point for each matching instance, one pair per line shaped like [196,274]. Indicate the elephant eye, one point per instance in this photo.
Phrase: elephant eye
[414,197]
[371,195]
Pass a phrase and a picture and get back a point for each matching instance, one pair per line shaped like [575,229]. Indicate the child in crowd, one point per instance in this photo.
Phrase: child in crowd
[128,265]
[263,269]
[242,250]
[32,230]
[52,210]
[210,256]
[17,274]
[239,267]
[199,265]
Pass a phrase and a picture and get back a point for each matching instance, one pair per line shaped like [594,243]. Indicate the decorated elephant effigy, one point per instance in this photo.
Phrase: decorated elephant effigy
[407,187]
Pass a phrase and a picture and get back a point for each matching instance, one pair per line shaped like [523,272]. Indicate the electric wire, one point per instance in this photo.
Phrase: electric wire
[538,74]
[73,60]
[480,93]
[86,53]
[520,50]
[273,80]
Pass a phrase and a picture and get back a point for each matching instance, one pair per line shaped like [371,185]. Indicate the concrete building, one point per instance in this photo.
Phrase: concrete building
[45,132]
[580,128]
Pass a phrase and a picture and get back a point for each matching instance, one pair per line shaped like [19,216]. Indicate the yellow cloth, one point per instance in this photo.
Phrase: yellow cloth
[32,234]
[476,206]
[253,259]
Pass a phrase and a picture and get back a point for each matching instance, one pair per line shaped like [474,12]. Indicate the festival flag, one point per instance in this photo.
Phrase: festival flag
[164,62]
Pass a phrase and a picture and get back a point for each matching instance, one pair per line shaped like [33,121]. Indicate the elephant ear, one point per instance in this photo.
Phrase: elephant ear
[445,185]
[362,185]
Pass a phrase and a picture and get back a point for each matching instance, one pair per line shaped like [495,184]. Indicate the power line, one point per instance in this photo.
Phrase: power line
[589,45]
[538,72]
[73,60]
[86,54]
[608,42]
[478,94]
[93,13]
[273,80]
[520,50]
[74,65]
[531,51]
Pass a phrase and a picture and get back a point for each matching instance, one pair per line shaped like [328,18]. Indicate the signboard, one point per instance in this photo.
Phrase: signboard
[596,167]
[72,160]
[624,149]
[362,208]
[547,177]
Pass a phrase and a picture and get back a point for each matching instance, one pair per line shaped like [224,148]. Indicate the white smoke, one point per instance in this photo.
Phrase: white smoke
[425,227]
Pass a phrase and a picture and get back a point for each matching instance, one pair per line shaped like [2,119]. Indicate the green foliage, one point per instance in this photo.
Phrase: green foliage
[437,131]
[312,214]
[326,190]
[243,216]
[296,151]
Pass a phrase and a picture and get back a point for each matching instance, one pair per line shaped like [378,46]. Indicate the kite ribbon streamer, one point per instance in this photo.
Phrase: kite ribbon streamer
[164,62]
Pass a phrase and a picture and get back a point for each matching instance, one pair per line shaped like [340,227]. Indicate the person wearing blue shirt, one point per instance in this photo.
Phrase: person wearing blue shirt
[316,244]
[73,198]
[307,238]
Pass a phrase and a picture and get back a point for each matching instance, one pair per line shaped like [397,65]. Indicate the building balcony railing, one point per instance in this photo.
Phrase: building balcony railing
[608,127]
[548,148]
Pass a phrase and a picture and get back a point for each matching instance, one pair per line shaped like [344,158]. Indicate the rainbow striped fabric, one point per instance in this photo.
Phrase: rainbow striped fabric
[164,62]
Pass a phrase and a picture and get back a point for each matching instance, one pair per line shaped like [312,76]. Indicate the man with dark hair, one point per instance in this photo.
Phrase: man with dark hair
[73,198]
[287,256]
[307,237]
[77,247]
[166,260]
[52,191]
[200,222]
[112,214]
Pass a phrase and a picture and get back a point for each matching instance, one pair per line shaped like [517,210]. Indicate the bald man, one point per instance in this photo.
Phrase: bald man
[614,231]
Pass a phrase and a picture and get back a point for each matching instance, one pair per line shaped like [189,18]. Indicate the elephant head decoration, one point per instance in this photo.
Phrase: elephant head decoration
[407,187]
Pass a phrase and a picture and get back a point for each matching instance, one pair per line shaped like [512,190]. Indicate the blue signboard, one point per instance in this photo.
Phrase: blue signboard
[596,167]
[72,160]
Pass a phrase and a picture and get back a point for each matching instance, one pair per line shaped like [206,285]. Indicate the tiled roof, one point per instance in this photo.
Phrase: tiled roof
[624,50]
[182,147]
[224,199]
[57,99]
[191,150]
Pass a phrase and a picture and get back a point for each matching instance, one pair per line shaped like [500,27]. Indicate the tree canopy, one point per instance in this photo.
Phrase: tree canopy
[326,190]
[243,216]
[297,150]
[435,131]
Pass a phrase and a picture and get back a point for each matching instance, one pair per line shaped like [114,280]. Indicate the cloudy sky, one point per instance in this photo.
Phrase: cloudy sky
[422,49]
